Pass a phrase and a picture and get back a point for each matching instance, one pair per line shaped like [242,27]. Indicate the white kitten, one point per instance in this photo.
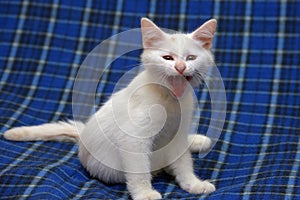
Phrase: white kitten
[144,127]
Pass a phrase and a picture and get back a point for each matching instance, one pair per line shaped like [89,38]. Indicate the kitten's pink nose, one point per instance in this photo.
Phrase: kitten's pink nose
[180,68]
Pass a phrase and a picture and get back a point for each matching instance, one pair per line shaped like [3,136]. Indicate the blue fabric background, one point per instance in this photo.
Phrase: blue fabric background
[43,43]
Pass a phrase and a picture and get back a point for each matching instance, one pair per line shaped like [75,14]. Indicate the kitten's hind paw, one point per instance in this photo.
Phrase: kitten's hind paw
[199,143]
[148,195]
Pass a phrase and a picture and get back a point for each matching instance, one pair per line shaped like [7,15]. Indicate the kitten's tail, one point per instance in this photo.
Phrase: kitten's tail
[58,131]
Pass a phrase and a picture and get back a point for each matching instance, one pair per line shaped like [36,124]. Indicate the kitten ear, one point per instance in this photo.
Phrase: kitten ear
[205,33]
[152,35]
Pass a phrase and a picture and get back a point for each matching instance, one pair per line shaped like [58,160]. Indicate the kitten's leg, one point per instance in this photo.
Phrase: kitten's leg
[183,171]
[137,170]
[140,188]
[199,143]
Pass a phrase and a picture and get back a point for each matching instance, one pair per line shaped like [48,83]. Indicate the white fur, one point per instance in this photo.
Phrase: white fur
[60,131]
[142,128]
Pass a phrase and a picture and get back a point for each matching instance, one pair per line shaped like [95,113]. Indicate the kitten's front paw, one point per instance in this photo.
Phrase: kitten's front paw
[147,195]
[199,143]
[198,187]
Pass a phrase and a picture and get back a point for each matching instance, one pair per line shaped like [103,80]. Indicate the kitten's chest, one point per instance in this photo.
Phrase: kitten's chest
[177,111]
[161,114]
[178,115]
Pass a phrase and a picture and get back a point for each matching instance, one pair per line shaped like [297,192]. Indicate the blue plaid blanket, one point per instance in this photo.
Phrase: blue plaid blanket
[257,51]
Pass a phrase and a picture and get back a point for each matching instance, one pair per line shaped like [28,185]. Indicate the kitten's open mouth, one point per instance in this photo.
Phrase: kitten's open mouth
[178,84]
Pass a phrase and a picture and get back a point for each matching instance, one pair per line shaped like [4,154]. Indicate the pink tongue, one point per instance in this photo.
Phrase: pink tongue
[178,85]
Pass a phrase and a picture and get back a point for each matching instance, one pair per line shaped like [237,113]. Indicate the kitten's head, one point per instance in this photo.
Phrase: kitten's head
[177,59]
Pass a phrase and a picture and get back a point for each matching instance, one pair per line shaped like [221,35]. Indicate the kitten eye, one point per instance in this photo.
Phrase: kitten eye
[191,57]
[167,57]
